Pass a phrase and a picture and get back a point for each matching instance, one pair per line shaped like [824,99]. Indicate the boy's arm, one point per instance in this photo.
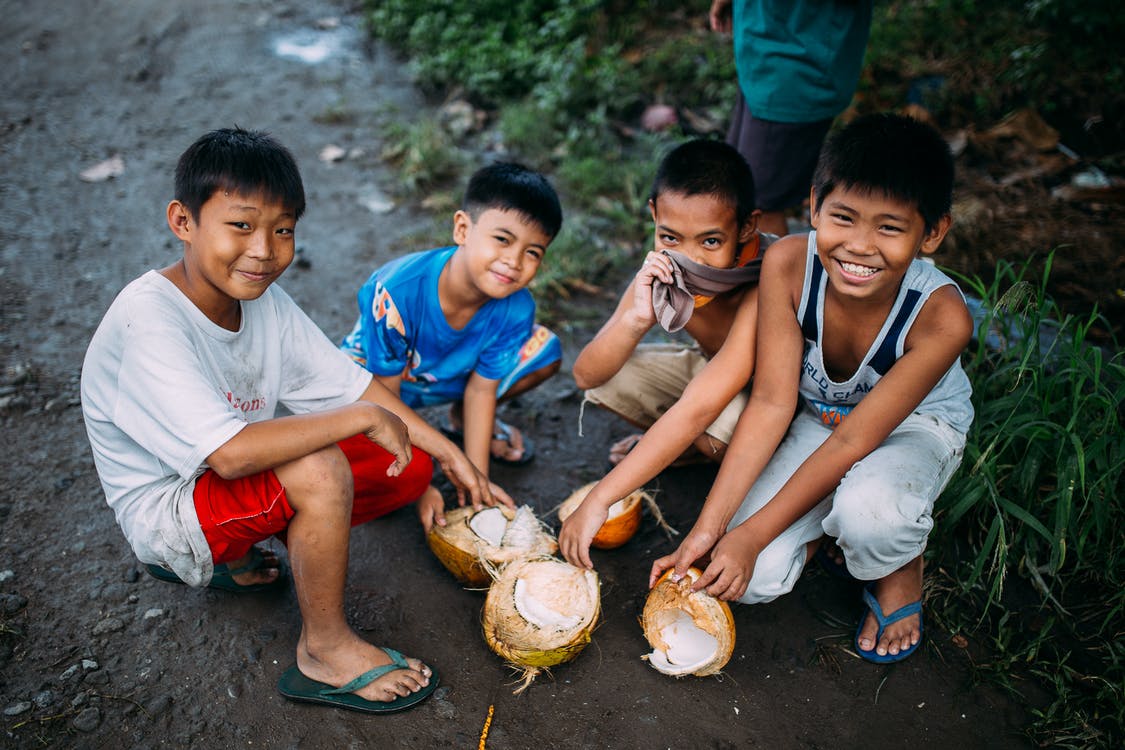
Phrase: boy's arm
[936,340]
[466,479]
[607,353]
[480,414]
[773,400]
[270,443]
[702,401]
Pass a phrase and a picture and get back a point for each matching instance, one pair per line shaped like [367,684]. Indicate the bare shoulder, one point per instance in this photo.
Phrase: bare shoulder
[944,318]
[786,256]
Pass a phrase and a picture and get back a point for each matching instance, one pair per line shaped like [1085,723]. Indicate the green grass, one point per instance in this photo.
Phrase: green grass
[1028,534]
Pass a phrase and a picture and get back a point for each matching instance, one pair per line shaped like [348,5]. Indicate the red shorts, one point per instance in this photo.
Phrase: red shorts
[237,513]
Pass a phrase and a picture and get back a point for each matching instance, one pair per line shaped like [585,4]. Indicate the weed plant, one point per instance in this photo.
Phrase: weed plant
[1041,495]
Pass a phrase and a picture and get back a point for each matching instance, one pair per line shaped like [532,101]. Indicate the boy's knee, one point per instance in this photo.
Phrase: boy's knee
[324,472]
[775,573]
[877,521]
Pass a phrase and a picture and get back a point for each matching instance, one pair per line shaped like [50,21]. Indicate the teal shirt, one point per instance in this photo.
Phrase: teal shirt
[799,60]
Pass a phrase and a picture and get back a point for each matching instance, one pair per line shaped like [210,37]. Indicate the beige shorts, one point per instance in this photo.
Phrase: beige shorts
[653,379]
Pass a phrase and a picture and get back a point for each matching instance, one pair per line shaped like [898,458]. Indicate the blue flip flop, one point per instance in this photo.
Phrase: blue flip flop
[295,686]
[222,579]
[502,431]
[914,608]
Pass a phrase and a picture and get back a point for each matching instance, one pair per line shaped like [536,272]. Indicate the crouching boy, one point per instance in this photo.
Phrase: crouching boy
[179,390]
[859,411]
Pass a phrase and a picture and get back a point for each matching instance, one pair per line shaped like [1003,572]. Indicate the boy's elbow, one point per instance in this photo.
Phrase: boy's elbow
[228,467]
[583,381]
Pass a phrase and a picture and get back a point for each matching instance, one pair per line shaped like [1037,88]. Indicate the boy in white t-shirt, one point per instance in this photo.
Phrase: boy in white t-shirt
[179,390]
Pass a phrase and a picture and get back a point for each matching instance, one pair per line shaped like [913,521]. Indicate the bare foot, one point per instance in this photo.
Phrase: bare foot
[343,663]
[507,442]
[896,590]
[266,572]
[621,448]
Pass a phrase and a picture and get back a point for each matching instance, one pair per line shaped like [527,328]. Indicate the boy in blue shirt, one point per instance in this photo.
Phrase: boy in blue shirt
[456,325]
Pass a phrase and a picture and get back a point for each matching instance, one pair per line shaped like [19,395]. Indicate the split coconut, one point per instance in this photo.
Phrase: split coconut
[690,633]
[622,522]
[539,612]
[472,540]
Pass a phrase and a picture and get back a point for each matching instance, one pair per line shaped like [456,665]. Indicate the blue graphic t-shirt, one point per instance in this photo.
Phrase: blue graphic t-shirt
[401,330]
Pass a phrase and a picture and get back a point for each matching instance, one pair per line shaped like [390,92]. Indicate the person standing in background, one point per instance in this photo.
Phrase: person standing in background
[798,66]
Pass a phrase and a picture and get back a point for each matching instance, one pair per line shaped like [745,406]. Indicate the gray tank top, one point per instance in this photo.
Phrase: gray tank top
[830,400]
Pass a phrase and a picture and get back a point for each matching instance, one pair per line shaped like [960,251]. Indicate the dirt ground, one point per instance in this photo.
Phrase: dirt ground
[93,653]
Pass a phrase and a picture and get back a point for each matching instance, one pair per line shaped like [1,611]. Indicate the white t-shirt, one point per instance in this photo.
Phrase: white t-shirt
[163,387]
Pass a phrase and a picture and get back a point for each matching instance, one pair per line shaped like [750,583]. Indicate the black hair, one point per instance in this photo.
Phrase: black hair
[707,167]
[508,186]
[902,158]
[249,162]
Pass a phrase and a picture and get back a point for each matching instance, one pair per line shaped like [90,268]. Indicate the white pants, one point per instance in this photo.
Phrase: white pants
[880,514]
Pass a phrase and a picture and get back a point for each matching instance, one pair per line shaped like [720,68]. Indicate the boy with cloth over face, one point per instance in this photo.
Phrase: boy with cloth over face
[180,386]
[700,277]
[862,339]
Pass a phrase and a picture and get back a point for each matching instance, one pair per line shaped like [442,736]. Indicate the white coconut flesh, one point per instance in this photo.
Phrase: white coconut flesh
[539,613]
[616,509]
[490,525]
[555,596]
[494,528]
[687,646]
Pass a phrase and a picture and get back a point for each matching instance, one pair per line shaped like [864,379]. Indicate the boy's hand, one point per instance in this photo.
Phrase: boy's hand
[720,15]
[390,433]
[500,496]
[431,509]
[655,266]
[578,531]
[695,545]
[731,567]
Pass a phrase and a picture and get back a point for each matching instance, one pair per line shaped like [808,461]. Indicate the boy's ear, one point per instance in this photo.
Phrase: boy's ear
[652,208]
[180,221]
[749,227]
[813,218]
[936,234]
[462,223]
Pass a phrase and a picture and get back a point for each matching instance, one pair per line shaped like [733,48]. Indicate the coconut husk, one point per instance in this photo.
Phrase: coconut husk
[468,555]
[624,516]
[539,612]
[672,607]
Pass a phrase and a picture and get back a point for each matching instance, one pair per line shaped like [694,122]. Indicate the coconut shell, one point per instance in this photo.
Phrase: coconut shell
[668,599]
[559,590]
[622,523]
[468,556]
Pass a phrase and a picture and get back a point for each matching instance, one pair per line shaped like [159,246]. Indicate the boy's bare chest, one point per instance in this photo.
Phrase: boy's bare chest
[710,324]
[845,342]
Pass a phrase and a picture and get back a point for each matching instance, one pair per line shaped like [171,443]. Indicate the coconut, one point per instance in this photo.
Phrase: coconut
[622,522]
[472,540]
[690,633]
[540,612]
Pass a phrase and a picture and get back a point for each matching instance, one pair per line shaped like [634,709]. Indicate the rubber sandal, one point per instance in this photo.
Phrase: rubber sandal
[914,608]
[503,431]
[222,579]
[295,686]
